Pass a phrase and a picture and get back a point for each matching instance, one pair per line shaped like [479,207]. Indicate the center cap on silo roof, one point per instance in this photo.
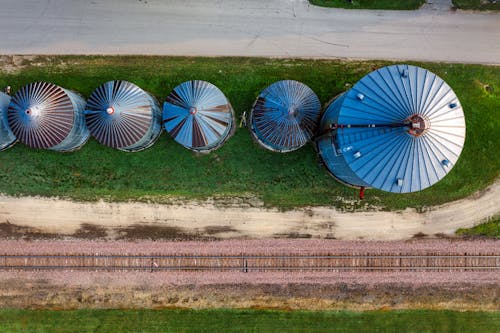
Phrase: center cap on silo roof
[33,111]
[110,110]
[418,125]
[193,110]
[292,111]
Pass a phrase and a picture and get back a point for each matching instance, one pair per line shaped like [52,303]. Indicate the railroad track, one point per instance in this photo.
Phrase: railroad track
[252,263]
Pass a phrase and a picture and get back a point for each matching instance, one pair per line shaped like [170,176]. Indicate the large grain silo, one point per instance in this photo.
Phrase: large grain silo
[198,116]
[121,115]
[44,115]
[399,129]
[7,138]
[285,116]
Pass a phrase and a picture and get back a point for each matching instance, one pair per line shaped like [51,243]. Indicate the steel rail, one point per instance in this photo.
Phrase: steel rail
[374,256]
[253,268]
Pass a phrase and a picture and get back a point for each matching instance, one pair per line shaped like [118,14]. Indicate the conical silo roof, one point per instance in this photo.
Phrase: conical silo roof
[44,115]
[121,115]
[7,138]
[399,129]
[198,116]
[285,116]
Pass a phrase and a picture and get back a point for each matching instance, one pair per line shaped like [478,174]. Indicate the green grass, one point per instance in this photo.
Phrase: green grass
[370,4]
[240,167]
[489,229]
[145,321]
[476,4]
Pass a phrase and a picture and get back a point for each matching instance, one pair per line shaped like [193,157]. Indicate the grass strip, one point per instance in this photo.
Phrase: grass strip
[222,320]
[240,168]
[477,4]
[370,4]
[489,229]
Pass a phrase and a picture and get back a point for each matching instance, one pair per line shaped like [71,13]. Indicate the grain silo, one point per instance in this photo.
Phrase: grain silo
[198,116]
[7,138]
[399,129]
[121,115]
[285,116]
[44,115]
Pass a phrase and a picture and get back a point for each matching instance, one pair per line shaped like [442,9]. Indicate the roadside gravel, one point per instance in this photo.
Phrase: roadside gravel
[265,246]
[147,279]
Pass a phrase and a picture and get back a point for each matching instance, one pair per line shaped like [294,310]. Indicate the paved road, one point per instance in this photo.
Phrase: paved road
[277,28]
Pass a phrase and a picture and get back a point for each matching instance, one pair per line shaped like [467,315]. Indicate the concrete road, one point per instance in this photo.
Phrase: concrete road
[276,28]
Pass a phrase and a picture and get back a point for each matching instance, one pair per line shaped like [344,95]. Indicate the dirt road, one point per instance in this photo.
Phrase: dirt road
[204,218]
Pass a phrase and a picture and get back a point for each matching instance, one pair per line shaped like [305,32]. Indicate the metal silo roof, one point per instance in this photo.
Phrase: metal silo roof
[7,138]
[198,115]
[400,128]
[44,115]
[285,116]
[121,115]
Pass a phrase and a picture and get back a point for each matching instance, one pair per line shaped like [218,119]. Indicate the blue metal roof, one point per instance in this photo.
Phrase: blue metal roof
[7,138]
[198,116]
[285,116]
[399,129]
[44,115]
[121,115]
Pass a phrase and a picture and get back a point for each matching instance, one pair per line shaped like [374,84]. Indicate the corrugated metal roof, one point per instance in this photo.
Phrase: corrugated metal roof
[400,129]
[121,115]
[285,116]
[44,115]
[198,115]
[7,138]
